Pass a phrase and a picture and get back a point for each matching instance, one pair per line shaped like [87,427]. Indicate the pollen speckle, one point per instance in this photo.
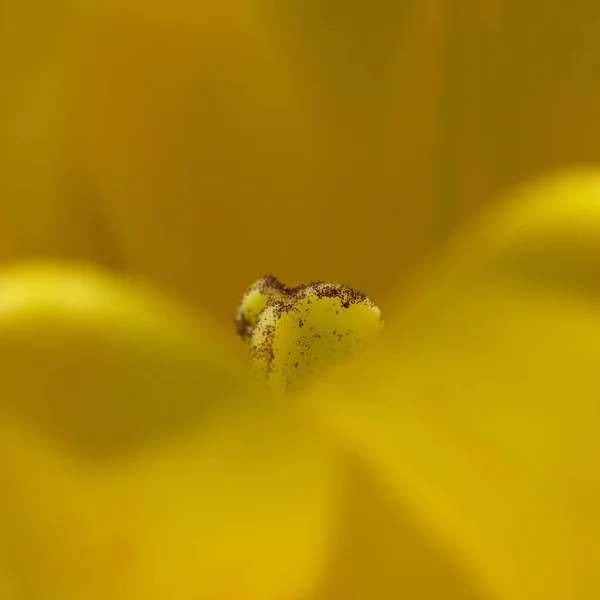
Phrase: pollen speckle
[285,347]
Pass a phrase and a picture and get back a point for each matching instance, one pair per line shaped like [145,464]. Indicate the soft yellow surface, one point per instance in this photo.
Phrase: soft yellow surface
[202,144]
[481,415]
[458,458]
[223,130]
[125,431]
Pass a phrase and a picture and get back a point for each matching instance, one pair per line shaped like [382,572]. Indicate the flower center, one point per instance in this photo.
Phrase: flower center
[295,332]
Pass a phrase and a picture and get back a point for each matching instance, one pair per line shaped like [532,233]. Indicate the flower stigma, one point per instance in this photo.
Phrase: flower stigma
[295,332]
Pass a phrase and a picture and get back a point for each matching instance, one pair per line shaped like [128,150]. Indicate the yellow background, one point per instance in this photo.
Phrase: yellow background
[207,143]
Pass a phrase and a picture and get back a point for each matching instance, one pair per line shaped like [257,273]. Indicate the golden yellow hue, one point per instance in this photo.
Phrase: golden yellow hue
[190,144]
[193,120]
[456,458]
[118,497]
[295,333]
[481,416]
[84,330]
[196,120]
[254,301]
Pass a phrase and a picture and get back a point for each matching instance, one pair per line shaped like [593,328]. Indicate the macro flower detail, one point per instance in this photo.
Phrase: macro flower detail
[155,154]
[295,332]
[139,457]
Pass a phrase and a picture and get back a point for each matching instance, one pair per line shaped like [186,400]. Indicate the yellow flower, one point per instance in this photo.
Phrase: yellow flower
[194,146]
[139,459]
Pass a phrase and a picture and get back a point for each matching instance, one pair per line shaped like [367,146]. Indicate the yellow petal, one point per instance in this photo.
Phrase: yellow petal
[95,340]
[241,508]
[46,205]
[202,138]
[481,416]
[384,553]
[377,75]
[223,492]
[196,139]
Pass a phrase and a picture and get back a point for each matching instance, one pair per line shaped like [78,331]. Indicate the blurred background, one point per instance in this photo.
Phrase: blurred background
[206,143]
[202,144]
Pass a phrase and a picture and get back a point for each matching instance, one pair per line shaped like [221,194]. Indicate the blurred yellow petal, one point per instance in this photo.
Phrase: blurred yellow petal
[138,460]
[376,75]
[241,508]
[46,207]
[197,140]
[195,122]
[385,553]
[243,120]
[95,342]
[8,586]
[518,97]
[481,415]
